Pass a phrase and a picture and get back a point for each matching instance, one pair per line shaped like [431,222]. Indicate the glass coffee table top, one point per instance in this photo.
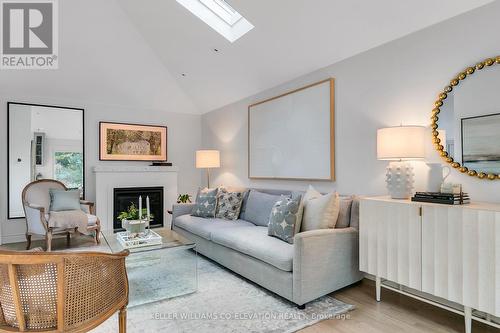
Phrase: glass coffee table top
[170,239]
[159,272]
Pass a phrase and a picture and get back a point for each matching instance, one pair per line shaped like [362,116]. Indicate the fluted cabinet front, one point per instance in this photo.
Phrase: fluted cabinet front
[461,256]
[452,252]
[390,241]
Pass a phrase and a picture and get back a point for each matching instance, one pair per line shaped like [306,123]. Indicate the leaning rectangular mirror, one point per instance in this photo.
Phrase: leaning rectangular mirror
[44,142]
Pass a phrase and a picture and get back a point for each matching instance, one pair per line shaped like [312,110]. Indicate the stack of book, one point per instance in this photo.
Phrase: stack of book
[442,198]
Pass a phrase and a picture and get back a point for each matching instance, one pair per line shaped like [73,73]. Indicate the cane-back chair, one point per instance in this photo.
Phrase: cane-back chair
[61,291]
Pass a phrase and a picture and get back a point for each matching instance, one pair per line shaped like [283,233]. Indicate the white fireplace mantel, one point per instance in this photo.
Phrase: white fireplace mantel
[134,169]
[108,178]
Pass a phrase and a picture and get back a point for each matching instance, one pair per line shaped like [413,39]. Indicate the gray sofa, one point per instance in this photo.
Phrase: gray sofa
[318,263]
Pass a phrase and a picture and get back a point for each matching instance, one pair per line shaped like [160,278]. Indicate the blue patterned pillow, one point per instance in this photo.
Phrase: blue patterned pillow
[283,220]
[206,203]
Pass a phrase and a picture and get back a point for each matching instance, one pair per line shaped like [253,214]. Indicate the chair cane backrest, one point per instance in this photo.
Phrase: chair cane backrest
[37,192]
[60,291]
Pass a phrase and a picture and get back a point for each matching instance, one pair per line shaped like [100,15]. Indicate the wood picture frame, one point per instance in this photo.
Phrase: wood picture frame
[132,142]
[305,107]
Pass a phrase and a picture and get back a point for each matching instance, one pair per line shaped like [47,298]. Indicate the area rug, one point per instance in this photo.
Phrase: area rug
[225,303]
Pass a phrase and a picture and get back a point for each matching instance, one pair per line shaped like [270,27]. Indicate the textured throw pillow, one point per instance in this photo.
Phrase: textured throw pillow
[61,200]
[284,218]
[355,213]
[300,213]
[228,204]
[206,203]
[344,219]
[320,211]
[258,207]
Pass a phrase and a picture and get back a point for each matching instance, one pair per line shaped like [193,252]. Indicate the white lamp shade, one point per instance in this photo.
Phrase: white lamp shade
[401,143]
[207,159]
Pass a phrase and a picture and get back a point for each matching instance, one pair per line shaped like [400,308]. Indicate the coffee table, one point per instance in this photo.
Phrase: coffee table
[159,272]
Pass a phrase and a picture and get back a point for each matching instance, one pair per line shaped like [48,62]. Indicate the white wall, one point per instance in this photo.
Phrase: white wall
[396,82]
[107,69]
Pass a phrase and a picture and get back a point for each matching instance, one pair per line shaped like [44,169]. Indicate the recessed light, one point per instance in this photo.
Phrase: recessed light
[216,50]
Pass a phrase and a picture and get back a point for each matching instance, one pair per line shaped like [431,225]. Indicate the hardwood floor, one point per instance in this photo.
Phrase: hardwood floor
[395,313]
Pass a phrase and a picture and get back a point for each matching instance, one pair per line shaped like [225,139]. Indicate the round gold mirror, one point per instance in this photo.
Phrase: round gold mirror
[466,121]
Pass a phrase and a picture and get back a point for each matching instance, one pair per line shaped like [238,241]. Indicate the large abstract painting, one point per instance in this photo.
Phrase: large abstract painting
[129,142]
[291,136]
[481,143]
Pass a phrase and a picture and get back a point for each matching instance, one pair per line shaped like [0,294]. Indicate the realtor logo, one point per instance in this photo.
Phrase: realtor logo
[29,34]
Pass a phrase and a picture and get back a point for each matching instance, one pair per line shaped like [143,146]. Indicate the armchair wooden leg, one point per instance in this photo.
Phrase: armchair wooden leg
[68,238]
[122,320]
[97,234]
[28,240]
[48,240]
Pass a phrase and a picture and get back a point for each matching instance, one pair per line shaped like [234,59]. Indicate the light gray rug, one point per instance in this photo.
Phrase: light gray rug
[225,303]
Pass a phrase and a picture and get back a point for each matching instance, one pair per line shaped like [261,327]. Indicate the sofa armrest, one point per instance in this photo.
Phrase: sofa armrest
[324,261]
[181,209]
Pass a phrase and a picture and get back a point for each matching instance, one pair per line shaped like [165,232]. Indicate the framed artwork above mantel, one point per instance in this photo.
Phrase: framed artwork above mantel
[132,142]
[292,136]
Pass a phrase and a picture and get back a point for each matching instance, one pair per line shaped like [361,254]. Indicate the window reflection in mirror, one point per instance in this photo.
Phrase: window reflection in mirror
[45,142]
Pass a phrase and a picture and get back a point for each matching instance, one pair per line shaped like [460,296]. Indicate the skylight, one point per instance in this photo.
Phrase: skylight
[220,16]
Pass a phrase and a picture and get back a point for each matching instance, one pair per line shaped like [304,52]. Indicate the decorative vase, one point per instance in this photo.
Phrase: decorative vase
[436,176]
[400,180]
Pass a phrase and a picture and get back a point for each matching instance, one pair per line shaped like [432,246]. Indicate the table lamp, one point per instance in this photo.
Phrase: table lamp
[207,159]
[400,144]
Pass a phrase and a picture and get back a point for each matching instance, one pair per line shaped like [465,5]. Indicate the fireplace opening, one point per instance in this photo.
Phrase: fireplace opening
[124,197]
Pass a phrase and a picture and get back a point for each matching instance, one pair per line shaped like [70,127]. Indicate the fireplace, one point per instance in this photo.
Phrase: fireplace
[123,197]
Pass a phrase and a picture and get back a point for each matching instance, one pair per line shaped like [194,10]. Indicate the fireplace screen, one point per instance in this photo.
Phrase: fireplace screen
[124,197]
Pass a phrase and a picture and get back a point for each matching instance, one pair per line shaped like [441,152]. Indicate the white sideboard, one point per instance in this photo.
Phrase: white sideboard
[452,252]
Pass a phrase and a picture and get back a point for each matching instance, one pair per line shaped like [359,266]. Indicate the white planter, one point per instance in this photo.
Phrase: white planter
[135,226]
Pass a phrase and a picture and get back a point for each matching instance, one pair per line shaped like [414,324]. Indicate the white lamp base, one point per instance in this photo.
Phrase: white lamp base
[400,180]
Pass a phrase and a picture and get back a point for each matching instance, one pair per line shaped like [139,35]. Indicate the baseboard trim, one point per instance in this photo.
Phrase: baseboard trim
[17,238]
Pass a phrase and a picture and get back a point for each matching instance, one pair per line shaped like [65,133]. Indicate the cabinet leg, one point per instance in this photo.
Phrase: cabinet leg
[468,319]
[378,286]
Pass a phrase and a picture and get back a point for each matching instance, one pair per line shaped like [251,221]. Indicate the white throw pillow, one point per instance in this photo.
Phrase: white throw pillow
[320,211]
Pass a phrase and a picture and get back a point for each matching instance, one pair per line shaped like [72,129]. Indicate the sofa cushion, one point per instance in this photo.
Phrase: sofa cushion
[204,227]
[355,213]
[283,221]
[258,207]
[320,211]
[228,204]
[206,202]
[344,219]
[254,242]
[61,200]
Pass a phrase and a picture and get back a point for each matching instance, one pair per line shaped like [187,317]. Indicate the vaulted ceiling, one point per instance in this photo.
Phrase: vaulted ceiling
[290,38]
[132,52]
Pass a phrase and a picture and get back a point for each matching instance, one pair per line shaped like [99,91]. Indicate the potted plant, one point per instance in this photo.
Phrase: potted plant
[132,222]
[184,198]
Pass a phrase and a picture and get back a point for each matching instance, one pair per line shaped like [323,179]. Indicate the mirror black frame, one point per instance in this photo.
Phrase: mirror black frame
[8,147]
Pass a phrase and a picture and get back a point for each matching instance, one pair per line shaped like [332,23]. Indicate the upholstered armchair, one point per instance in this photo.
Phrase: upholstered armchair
[61,291]
[36,203]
